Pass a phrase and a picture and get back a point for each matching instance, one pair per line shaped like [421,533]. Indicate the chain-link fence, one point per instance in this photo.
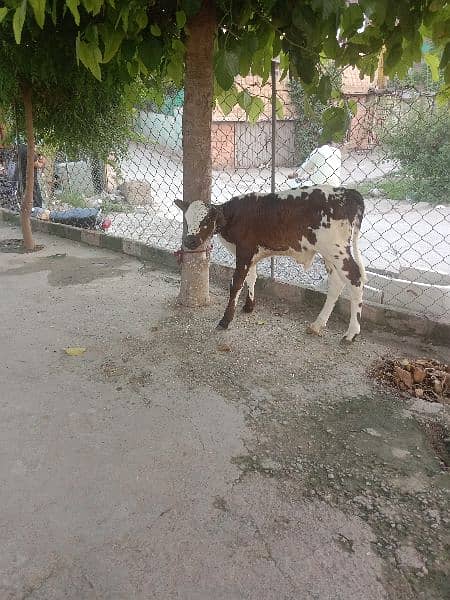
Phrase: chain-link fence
[396,152]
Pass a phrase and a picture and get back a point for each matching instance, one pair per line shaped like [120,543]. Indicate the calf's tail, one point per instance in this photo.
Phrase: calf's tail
[356,234]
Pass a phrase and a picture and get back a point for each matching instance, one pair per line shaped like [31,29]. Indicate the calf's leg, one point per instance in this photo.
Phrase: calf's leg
[355,277]
[342,272]
[250,281]
[237,282]
[335,286]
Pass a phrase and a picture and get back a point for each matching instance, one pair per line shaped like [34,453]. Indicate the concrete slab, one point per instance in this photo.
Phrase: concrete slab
[144,469]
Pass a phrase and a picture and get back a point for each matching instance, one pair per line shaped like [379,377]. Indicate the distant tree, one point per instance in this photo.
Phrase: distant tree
[59,101]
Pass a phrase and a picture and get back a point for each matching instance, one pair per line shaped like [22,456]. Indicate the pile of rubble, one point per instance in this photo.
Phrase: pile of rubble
[421,378]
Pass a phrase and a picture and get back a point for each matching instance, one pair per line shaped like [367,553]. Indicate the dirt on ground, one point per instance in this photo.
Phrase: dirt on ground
[171,461]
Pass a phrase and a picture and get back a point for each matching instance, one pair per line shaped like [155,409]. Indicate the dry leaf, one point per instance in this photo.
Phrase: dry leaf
[447,380]
[75,351]
[419,392]
[437,386]
[403,376]
[418,374]
[224,348]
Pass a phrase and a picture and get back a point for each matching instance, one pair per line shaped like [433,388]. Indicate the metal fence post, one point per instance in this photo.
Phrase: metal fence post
[273,153]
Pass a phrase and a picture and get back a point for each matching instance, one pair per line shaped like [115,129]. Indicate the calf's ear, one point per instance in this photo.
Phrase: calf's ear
[182,205]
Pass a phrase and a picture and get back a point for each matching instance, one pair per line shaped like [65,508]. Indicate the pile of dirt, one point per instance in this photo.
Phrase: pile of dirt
[421,377]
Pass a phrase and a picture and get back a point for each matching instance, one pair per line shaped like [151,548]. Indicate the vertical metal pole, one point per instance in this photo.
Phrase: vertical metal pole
[273,155]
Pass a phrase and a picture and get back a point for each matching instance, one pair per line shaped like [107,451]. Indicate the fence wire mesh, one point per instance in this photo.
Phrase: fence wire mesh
[396,153]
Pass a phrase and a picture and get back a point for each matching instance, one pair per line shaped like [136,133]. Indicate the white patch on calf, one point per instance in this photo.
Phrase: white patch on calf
[328,238]
[228,245]
[194,215]
[251,280]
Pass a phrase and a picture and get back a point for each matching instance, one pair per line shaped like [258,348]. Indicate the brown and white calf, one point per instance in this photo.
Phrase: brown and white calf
[297,223]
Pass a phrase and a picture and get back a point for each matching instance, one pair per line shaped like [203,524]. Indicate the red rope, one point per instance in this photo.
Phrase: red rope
[180,253]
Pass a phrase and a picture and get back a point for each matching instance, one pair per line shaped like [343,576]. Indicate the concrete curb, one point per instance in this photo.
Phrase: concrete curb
[399,321]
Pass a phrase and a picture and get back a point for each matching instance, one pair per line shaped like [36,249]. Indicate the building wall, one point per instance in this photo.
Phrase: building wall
[222,144]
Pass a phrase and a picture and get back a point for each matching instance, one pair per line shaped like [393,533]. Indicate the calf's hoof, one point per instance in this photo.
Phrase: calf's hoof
[248,307]
[349,338]
[222,325]
[314,329]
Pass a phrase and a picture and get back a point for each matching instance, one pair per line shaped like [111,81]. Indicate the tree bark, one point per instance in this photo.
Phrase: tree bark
[27,199]
[197,117]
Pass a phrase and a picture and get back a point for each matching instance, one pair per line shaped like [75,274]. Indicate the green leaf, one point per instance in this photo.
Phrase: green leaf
[244,100]
[133,68]
[352,19]
[178,46]
[447,74]
[445,58]
[127,50]
[335,120]
[19,20]
[306,68]
[245,62]
[39,11]
[325,7]
[247,48]
[112,40]
[155,30]
[141,67]
[255,109]
[54,13]
[72,5]
[123,15]
[324,88]
[3,13]
[392,58]
[380,10]
[279,108]
[151,51]
[226,68]
[180,17]
[433,62]
[265,34]
[141,19]
[443,96]
[91,33]
[436,5]
[227,100]
[262,63]
[331,46]
[93,6]
[353,107]
[77,49]
[174,70]
[91,57]
[245,15]
[284,61]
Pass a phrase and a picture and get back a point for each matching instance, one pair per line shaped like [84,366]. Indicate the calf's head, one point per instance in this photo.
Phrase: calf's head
[201,222]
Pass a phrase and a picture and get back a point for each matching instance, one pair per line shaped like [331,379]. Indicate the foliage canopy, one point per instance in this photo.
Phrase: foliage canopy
[145,38]
[70,107]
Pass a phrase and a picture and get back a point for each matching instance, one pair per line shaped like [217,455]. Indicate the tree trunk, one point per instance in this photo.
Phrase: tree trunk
[197,117]
[27,199]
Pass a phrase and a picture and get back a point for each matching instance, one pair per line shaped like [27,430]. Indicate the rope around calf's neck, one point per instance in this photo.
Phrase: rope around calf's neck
[182,251]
